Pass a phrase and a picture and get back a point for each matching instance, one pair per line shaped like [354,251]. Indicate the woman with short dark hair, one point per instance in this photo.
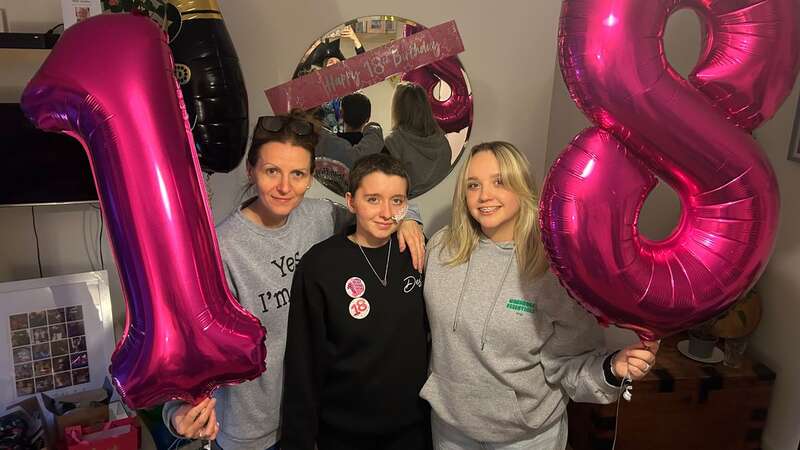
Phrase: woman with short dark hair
[356,353]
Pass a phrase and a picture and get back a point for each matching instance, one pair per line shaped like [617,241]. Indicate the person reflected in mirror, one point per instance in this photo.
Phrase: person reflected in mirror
[356,112]
[327,50]
[510,348]
[360,138]
[416,139]
[357,352]
[261,243]
[333,41]
[332,54]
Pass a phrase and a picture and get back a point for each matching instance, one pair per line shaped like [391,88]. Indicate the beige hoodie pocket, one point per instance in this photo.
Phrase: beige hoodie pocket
[484,412]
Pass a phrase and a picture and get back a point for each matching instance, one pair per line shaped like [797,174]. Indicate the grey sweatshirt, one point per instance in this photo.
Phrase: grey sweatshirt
[426,159]
[259,265]
[507,352]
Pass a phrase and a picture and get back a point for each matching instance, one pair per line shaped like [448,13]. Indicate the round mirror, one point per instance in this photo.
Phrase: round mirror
[422,117]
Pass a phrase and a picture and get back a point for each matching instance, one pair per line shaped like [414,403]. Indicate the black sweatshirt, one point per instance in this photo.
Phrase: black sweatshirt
[345,373]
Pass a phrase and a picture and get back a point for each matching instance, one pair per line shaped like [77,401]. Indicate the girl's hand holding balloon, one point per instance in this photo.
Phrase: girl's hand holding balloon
[197,421]
[633,362]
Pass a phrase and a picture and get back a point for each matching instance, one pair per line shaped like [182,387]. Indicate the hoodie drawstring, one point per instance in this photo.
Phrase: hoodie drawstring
[496,296]
[461,295]
[494,301]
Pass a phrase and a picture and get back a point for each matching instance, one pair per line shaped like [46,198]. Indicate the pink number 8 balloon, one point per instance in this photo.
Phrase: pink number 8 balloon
[693,135]
[108,83]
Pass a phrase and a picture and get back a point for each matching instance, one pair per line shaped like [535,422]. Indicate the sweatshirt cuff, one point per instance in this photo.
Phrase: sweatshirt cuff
[414,214]
[167,412]
[595,388]
[608,372]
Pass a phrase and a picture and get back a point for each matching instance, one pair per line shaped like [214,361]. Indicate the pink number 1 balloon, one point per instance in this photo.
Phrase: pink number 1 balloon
[109,83]
[693,135]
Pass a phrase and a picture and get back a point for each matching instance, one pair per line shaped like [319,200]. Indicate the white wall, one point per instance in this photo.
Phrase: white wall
[31,16]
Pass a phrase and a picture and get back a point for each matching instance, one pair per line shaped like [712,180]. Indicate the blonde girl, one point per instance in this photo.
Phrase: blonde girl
[510,348]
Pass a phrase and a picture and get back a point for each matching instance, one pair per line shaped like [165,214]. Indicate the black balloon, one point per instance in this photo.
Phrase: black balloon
[211,80]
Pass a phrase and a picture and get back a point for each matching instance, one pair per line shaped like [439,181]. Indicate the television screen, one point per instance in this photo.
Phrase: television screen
[37,167]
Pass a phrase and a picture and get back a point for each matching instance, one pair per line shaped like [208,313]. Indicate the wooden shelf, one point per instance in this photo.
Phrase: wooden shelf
[41,41]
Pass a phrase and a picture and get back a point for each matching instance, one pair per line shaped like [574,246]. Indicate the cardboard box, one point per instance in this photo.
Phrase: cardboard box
[91,409]
[122,434]
[82,409]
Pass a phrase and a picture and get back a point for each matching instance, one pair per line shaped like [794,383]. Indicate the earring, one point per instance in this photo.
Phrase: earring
[308,187]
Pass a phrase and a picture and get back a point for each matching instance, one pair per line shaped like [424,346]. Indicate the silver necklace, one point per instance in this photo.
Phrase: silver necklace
[383,280]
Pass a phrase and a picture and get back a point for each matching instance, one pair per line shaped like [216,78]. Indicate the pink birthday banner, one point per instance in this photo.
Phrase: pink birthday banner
[366,69]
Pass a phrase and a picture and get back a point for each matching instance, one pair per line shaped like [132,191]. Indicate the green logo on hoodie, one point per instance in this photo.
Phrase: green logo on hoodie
[516,304]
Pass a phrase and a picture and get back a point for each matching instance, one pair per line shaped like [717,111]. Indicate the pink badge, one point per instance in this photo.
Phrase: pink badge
[359,308]
[355,287]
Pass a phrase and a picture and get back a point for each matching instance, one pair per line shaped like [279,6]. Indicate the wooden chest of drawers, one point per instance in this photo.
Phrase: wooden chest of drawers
[681,404]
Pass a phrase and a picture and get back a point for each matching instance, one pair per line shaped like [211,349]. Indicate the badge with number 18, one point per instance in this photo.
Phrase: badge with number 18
[359,308]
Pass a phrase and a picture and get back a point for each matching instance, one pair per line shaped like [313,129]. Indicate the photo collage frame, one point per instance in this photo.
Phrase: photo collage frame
[48,349]
[57,333]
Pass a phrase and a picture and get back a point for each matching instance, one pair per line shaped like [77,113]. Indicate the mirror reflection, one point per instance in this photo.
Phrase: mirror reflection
[422,117]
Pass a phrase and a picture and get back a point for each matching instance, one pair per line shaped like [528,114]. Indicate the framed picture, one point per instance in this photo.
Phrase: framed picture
[794,144]
[58,334]
[375,26]
[75,11]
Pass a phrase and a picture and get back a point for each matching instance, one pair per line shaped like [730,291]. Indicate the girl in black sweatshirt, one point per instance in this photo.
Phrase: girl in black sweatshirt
[356,354]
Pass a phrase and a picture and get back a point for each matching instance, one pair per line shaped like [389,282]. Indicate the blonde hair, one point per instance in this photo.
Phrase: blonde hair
[461,237]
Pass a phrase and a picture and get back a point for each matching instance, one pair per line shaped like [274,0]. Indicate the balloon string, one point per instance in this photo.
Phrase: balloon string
[625,392]
[209,192]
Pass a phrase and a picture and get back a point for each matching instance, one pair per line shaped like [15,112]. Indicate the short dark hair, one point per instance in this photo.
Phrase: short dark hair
[356,109]
[286,136]
[376,162]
